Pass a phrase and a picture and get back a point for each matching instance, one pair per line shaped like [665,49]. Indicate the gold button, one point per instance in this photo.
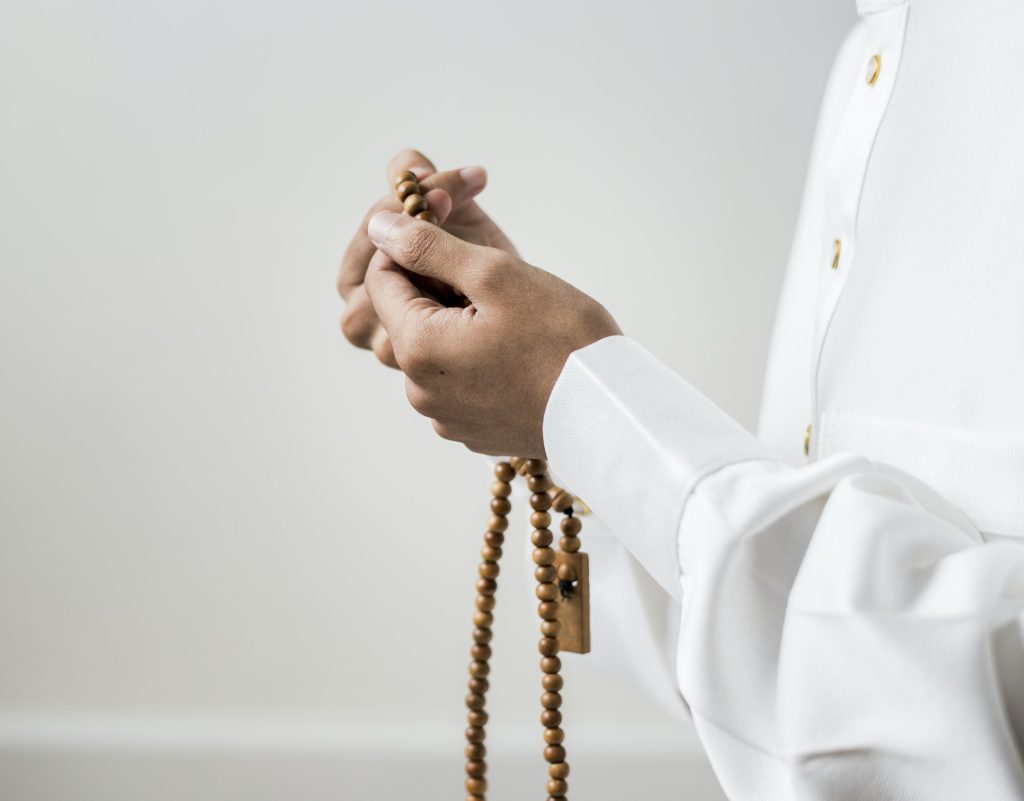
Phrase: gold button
[807,441]
[837,249]
[874,68]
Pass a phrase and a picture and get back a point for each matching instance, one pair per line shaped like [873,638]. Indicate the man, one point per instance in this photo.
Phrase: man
[851,580]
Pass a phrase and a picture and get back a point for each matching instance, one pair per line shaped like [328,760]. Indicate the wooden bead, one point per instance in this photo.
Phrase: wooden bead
[549,664]
[547,610]
[485,603]
[569,544]
[540,502]
[475,701]
[536,466]
[552,682]
[554,736]
[543,556]
[571,526]
[518,464]
[490,553]
[548,646]
[551,718]
[550,628]
[557,787]
[427,216]
[497,524]
[479,670]
[483,619]
[545,573]
[486,586]
[495,538]
[476,785]
[561,500]
[475,734]
[539,483]
[488,570]
[475,751]
[551,700]
[542,537]
[540,520]
[501,506]
[566,572]
[477,717]
[558,770]
[503,471]
[482,635]
[414,204]
[407,188]
[479,686]
[547,592]
[477,767]
[480,653]
[501,489]
[554,753]
[407,175]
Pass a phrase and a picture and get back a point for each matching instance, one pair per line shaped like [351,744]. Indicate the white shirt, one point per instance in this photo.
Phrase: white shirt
[849,622]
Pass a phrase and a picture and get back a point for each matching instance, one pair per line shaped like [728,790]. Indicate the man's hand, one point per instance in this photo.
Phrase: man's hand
[450,197]
[482,373]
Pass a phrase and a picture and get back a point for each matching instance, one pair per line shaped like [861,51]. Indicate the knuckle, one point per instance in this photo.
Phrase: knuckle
[420,245]
[383,349]
[358,326]
[418,398]
[491,270]
[444,430]
[418,352]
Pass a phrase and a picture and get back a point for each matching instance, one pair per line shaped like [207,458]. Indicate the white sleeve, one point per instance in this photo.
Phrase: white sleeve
[845,632]
[634,623]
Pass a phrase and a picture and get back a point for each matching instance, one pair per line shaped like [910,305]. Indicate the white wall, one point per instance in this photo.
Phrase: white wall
[221,529]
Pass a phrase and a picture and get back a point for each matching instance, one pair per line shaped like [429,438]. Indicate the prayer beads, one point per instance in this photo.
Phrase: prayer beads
[562,585]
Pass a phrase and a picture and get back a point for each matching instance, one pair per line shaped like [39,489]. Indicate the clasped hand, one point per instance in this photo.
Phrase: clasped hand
[483,372]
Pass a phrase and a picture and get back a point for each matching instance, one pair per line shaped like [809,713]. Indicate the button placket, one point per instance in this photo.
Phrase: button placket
[883,43]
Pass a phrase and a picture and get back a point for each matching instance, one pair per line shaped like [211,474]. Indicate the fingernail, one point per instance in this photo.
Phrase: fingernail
[380,224]
[475,177]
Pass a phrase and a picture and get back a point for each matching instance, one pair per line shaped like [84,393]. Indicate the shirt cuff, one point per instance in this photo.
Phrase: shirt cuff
[632,439]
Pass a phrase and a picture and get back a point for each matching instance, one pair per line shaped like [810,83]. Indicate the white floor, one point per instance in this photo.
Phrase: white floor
[104,761]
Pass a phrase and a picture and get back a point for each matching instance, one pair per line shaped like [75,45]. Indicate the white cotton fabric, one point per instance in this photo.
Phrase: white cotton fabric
[850,623]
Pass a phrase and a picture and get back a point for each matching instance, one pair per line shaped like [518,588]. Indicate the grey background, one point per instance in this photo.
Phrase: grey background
[233,562]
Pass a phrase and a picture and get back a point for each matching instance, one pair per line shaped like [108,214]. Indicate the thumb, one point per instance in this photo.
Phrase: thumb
[429,250]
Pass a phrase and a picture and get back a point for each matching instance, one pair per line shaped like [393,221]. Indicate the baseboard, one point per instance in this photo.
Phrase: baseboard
[147,759]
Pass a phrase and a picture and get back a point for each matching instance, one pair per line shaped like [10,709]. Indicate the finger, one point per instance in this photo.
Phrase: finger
[382,348]
[359,323]
[411,160]
[440,204]
[360,250]
[394,295]
[461,185]
[429,250]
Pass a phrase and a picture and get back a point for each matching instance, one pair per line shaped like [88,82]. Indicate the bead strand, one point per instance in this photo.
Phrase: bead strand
[545,496]
[407,187]
[483,619]
[548,596]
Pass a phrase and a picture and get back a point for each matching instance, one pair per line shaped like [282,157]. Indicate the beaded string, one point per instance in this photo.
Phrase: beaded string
[553,585]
